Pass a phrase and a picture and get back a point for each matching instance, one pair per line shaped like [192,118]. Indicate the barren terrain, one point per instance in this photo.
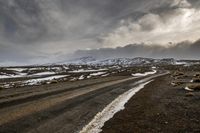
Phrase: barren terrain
[159,107]
[65,99]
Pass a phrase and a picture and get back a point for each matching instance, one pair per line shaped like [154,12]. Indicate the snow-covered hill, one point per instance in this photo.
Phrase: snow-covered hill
[124,61]
[128,61]
[80,61]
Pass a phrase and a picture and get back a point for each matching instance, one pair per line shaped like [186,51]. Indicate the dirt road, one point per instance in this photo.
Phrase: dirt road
[62,107]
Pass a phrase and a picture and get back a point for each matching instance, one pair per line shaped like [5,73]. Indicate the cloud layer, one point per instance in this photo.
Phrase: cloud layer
[183,50]
[177,22]
[40,31]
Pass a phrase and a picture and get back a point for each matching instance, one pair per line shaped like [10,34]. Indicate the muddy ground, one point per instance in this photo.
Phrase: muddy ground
[159,107]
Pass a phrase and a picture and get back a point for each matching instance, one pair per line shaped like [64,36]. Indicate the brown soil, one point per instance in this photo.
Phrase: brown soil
[159,107]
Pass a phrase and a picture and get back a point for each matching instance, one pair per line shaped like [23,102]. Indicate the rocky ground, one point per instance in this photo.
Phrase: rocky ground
[66,104]
[16,77]
[160,107]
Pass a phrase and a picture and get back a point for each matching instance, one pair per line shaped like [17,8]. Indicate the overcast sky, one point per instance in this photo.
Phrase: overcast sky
[40,31]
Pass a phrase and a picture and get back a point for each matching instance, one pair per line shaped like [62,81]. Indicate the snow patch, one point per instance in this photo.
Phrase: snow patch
[180,63]
[81,77]
[108,112]
[43,73]
[97,74]
[73,79]
[105,75]
[144,74]
[35,68]
[36,81]
[65,67]
[188,89]
[83,70]
[172,83]
[12,76]
[17,69]
[89,76]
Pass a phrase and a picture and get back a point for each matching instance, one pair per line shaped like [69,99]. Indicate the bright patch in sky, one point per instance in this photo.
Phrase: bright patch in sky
[178,24]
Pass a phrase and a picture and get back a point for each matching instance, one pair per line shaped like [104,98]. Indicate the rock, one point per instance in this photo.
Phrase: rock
[196,80]
[53,81]
[1,88]
[177,73]
[173,84]
[197,75]
[194,86]
[43,83]
[176,83]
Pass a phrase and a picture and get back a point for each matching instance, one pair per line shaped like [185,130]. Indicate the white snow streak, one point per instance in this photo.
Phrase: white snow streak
[36,81]
[144,74]
[108,112]
[98,73]
[81,77]
[83,70]
[12,76]
[44,73]
[17,69]
[188,89]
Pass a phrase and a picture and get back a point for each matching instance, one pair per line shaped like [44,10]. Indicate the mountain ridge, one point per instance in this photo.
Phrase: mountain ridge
[89,60]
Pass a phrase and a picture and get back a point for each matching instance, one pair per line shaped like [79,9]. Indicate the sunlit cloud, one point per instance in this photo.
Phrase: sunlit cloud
[175,25]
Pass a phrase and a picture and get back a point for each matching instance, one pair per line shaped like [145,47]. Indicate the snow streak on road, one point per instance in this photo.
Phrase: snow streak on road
[108,112]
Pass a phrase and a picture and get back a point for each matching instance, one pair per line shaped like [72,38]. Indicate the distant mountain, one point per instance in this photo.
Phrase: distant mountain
[125,61]
[128,61]
[81,61]
[182,50]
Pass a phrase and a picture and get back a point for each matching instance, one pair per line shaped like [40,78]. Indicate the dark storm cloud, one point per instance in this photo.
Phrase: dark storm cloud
[31,20]
[20,21]
[182,50]
[47,29]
